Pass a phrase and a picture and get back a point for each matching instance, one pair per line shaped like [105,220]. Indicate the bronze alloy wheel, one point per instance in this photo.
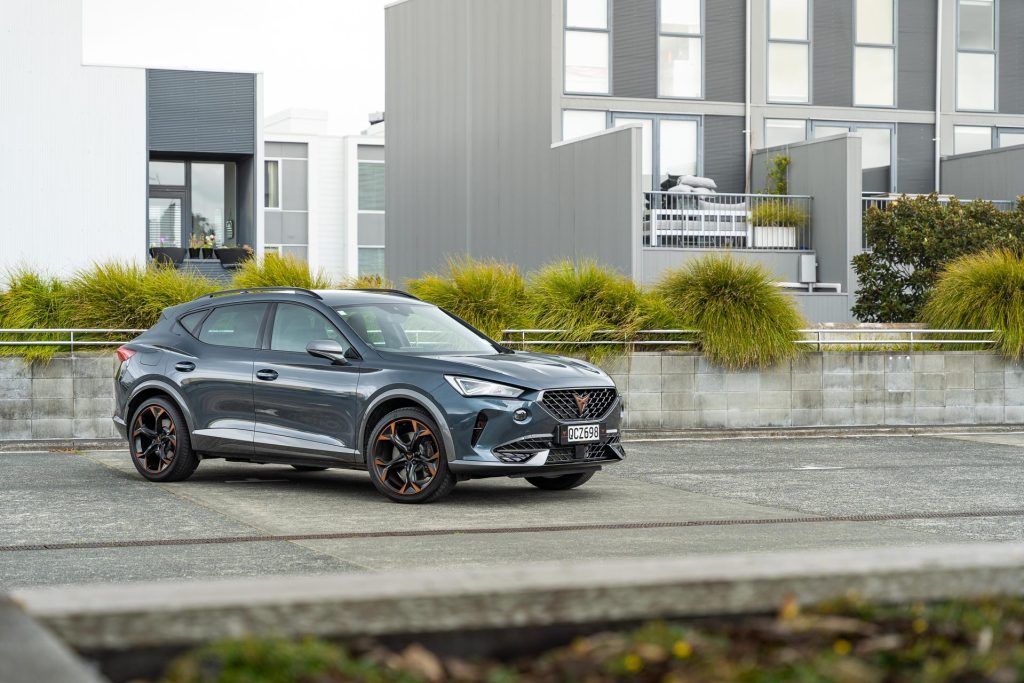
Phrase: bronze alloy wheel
[406,456]
[154,438]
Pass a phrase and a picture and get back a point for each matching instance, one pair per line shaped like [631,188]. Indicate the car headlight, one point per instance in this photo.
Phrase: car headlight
[467,386]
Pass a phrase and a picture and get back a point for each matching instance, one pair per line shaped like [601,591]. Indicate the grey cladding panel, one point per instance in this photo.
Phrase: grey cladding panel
[915,158]
[371,229]
[291,150]
[725,53]
[370,152]
[294,184]
[832,53]
[916,54]
[272,225]
[635,48]
[199,111]
[1011,57]
[724,152]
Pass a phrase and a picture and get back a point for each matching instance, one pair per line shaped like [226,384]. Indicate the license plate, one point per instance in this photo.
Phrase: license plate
[582,433]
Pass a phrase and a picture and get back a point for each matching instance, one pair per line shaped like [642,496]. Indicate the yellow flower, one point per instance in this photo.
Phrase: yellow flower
[842,647]
[632,663]
[919,625]
[682,649]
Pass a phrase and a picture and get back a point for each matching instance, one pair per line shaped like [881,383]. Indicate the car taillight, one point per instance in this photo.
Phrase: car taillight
[124,353]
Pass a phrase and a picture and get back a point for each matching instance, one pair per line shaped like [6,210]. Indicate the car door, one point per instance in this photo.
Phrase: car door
[216,380]
[305,405]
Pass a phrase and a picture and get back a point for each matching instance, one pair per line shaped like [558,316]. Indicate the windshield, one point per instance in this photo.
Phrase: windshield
[412,328]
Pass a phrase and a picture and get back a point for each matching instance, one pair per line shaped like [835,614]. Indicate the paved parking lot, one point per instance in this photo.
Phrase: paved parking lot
[697,496]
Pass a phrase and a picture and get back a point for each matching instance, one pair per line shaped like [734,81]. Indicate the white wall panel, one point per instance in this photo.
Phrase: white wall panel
[72,145]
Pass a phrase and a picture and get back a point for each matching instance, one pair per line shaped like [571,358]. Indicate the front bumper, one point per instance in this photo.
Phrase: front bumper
[505,447]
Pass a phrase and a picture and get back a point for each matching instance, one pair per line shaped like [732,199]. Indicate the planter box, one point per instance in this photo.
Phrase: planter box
[774,236]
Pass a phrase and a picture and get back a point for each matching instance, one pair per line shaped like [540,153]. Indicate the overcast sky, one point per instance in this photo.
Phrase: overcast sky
[314,54]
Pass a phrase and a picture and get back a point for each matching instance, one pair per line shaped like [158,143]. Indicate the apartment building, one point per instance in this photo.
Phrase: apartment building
[323,198]
[538,129]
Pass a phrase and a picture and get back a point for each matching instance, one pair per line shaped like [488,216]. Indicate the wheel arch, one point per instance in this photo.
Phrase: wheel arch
[394,399]
[154,388]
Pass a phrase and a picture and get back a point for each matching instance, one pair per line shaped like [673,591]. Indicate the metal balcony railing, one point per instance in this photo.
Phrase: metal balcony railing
[727,221]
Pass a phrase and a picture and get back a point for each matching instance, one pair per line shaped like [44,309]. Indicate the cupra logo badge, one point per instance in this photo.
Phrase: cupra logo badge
[581,403]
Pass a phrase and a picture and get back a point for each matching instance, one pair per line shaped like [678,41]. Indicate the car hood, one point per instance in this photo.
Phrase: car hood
[528,370]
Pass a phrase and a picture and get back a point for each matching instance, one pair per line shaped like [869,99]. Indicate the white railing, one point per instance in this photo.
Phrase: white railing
[817,338]
[727,221]
[67,336]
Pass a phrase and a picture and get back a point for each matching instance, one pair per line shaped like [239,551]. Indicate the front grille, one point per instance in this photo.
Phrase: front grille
[563,404]
[524,449]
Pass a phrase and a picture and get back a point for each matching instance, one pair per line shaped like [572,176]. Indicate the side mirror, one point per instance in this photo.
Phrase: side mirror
[329,349]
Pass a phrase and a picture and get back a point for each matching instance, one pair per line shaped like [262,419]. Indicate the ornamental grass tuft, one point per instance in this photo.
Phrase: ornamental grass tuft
[279,271]
[982,291]
[487,294]
[29,300]
[743,319]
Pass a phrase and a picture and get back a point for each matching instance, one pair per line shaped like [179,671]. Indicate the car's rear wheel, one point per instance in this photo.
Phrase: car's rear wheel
[562,483]
[159,442]
[406,458]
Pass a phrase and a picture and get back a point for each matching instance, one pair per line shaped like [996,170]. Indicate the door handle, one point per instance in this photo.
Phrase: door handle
[266,375]
[185,366]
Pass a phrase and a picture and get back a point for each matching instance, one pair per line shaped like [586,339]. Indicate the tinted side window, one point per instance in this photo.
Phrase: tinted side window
[295,326]
[237,325]
[190,321]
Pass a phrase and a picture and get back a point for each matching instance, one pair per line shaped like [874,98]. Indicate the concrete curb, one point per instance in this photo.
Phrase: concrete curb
[815,432]
[450,600]
[30,654]
[45,445]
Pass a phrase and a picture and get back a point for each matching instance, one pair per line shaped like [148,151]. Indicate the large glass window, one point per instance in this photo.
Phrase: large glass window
[236,325]
[579,122]
[164,228]
[874,55]
[587,53]
[272,184]
[1009,137]
[677,148]
[371,261]
[213,202]
[680,49]
[789,51]
[968,139]
[784,131]
[976,55]
[295,326]
[371,186]
[876,151]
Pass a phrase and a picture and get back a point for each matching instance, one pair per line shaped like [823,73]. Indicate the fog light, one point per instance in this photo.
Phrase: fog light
[521,415]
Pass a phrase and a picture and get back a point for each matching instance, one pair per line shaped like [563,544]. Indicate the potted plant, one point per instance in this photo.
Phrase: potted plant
[194,247]
[165,254]
[775,223]
[232,257]
[209,243]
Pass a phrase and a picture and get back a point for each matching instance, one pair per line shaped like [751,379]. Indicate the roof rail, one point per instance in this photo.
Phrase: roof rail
[382,290]
[250,290]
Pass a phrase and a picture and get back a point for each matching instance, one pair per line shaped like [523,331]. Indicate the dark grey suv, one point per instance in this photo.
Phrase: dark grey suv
[361,379]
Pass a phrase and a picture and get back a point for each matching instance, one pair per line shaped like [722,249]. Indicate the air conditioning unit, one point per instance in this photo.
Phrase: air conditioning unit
[808,273]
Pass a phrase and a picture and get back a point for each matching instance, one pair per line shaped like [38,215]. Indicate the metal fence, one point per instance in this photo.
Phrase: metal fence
[820,339]
[727,221]
[883,202]
[66,337]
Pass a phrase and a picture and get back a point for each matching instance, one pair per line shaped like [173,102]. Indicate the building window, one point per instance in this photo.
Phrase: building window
[784,131]
[1010,137]
[968,139]
[579,122]
[789,51]
[680,49]
[371,186]
[371,261]
[272,184]
[167,173]
[587,53]
[976,55]
[876,150]
[874,54]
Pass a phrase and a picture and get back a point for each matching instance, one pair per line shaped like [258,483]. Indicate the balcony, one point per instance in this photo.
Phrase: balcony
[755,222]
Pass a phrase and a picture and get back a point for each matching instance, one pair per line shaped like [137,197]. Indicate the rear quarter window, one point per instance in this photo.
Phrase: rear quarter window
[191,321]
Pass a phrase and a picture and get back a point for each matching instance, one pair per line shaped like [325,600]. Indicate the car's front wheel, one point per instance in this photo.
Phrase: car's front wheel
[406,458]
[159,442]
[562,483]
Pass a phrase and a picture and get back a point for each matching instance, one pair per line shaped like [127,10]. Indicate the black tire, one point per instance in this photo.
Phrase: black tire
[308,468]
[159,442]
[406,457]
[562,483]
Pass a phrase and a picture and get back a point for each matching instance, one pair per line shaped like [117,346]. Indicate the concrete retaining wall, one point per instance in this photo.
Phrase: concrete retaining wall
[71,397]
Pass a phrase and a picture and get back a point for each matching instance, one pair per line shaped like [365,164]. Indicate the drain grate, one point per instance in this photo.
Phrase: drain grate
[342,536]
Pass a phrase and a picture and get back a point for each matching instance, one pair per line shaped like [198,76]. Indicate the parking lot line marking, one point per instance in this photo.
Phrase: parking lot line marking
[355,535]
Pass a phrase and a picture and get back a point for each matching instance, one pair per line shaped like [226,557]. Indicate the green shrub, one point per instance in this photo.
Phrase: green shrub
[778,174]
[777,212]
[365,282]
[486,294]
[982,292]
[279,271]
[32,301]
[127,296]
[912,239]
[743,319]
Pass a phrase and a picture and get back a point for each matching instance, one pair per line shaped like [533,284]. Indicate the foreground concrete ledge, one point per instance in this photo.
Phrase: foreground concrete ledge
[30,654]
[454,600]
[47,445]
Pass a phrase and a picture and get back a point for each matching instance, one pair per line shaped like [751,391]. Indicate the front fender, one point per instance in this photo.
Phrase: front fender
[424,400]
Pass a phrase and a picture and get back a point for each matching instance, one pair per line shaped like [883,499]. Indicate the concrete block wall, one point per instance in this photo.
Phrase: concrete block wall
[69,397]
[684,391]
